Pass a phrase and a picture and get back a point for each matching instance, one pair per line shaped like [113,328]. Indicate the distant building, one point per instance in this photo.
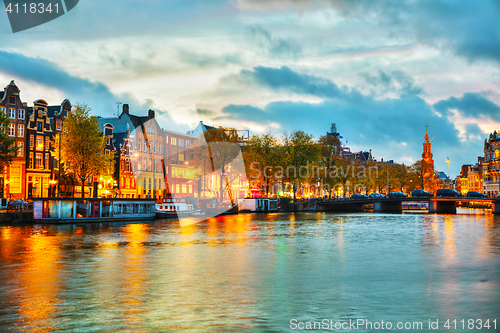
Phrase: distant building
[471,178]
[491,165]
[428,174]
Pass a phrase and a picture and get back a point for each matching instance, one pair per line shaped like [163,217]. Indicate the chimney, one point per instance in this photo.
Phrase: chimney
[125,108]
[25,105]
[151,114]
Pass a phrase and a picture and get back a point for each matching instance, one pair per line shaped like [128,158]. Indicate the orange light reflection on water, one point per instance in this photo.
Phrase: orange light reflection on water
[39,282]
[134,274]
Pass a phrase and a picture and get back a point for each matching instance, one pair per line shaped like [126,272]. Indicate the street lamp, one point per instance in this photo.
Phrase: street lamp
[449,173]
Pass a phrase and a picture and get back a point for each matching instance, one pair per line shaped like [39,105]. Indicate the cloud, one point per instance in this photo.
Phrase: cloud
[97,95]
[206,60]
[394,81]
[286,80]
[470,104]
[467,29]
[274,46]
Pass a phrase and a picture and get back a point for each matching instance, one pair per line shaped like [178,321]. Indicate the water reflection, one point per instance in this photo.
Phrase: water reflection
[249,272]
[36,285]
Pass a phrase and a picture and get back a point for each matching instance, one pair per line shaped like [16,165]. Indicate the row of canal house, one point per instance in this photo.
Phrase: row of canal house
[149,160]
[33,172]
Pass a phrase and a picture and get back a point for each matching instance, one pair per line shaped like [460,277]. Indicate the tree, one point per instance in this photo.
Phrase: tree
[329,146]
[299,151]
[262,153]
[82,146]
[8,148]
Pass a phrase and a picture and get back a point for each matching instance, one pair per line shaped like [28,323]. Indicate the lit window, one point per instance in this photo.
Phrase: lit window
[20,150]
[39,161]
[46,161]
[21,114]
[173,141]
[58,124]
[31,141]
[12,113]
[39,142]
[181,157]
[12,130]
[20,130]
[47,143]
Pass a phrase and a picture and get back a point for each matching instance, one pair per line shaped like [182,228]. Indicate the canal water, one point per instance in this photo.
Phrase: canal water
[254,273]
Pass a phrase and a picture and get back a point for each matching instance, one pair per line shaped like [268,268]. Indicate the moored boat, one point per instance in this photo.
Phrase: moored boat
[80,210]
[176,208]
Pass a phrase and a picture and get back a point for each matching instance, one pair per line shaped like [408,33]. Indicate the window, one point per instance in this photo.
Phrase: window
[188,143]
[181,142]
[127,166]
[15,179]
[58,124]
[32,139]
[20,130]
[184,188]
[159,148]
[46,161]
[145,147]
[39,161]
[166,139]
[39,142]
[30,162]
[12,130]
[12,113]
[173,141]
[2,109]
[177,188]
[39,126]
[47,143]
[21,114]
[12,99]
[20,150]
[154,148]
[108,141]
[181,157]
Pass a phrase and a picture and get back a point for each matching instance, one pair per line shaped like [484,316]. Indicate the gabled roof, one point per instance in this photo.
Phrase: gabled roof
[119,123]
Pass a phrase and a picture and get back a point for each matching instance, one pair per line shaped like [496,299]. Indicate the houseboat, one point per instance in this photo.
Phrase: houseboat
[84,210]
[258,205]
[176,208]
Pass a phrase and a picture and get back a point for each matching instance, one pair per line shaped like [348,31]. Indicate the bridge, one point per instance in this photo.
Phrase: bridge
[445,205]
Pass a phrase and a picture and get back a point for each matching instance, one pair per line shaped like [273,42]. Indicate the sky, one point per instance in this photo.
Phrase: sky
[380,70]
